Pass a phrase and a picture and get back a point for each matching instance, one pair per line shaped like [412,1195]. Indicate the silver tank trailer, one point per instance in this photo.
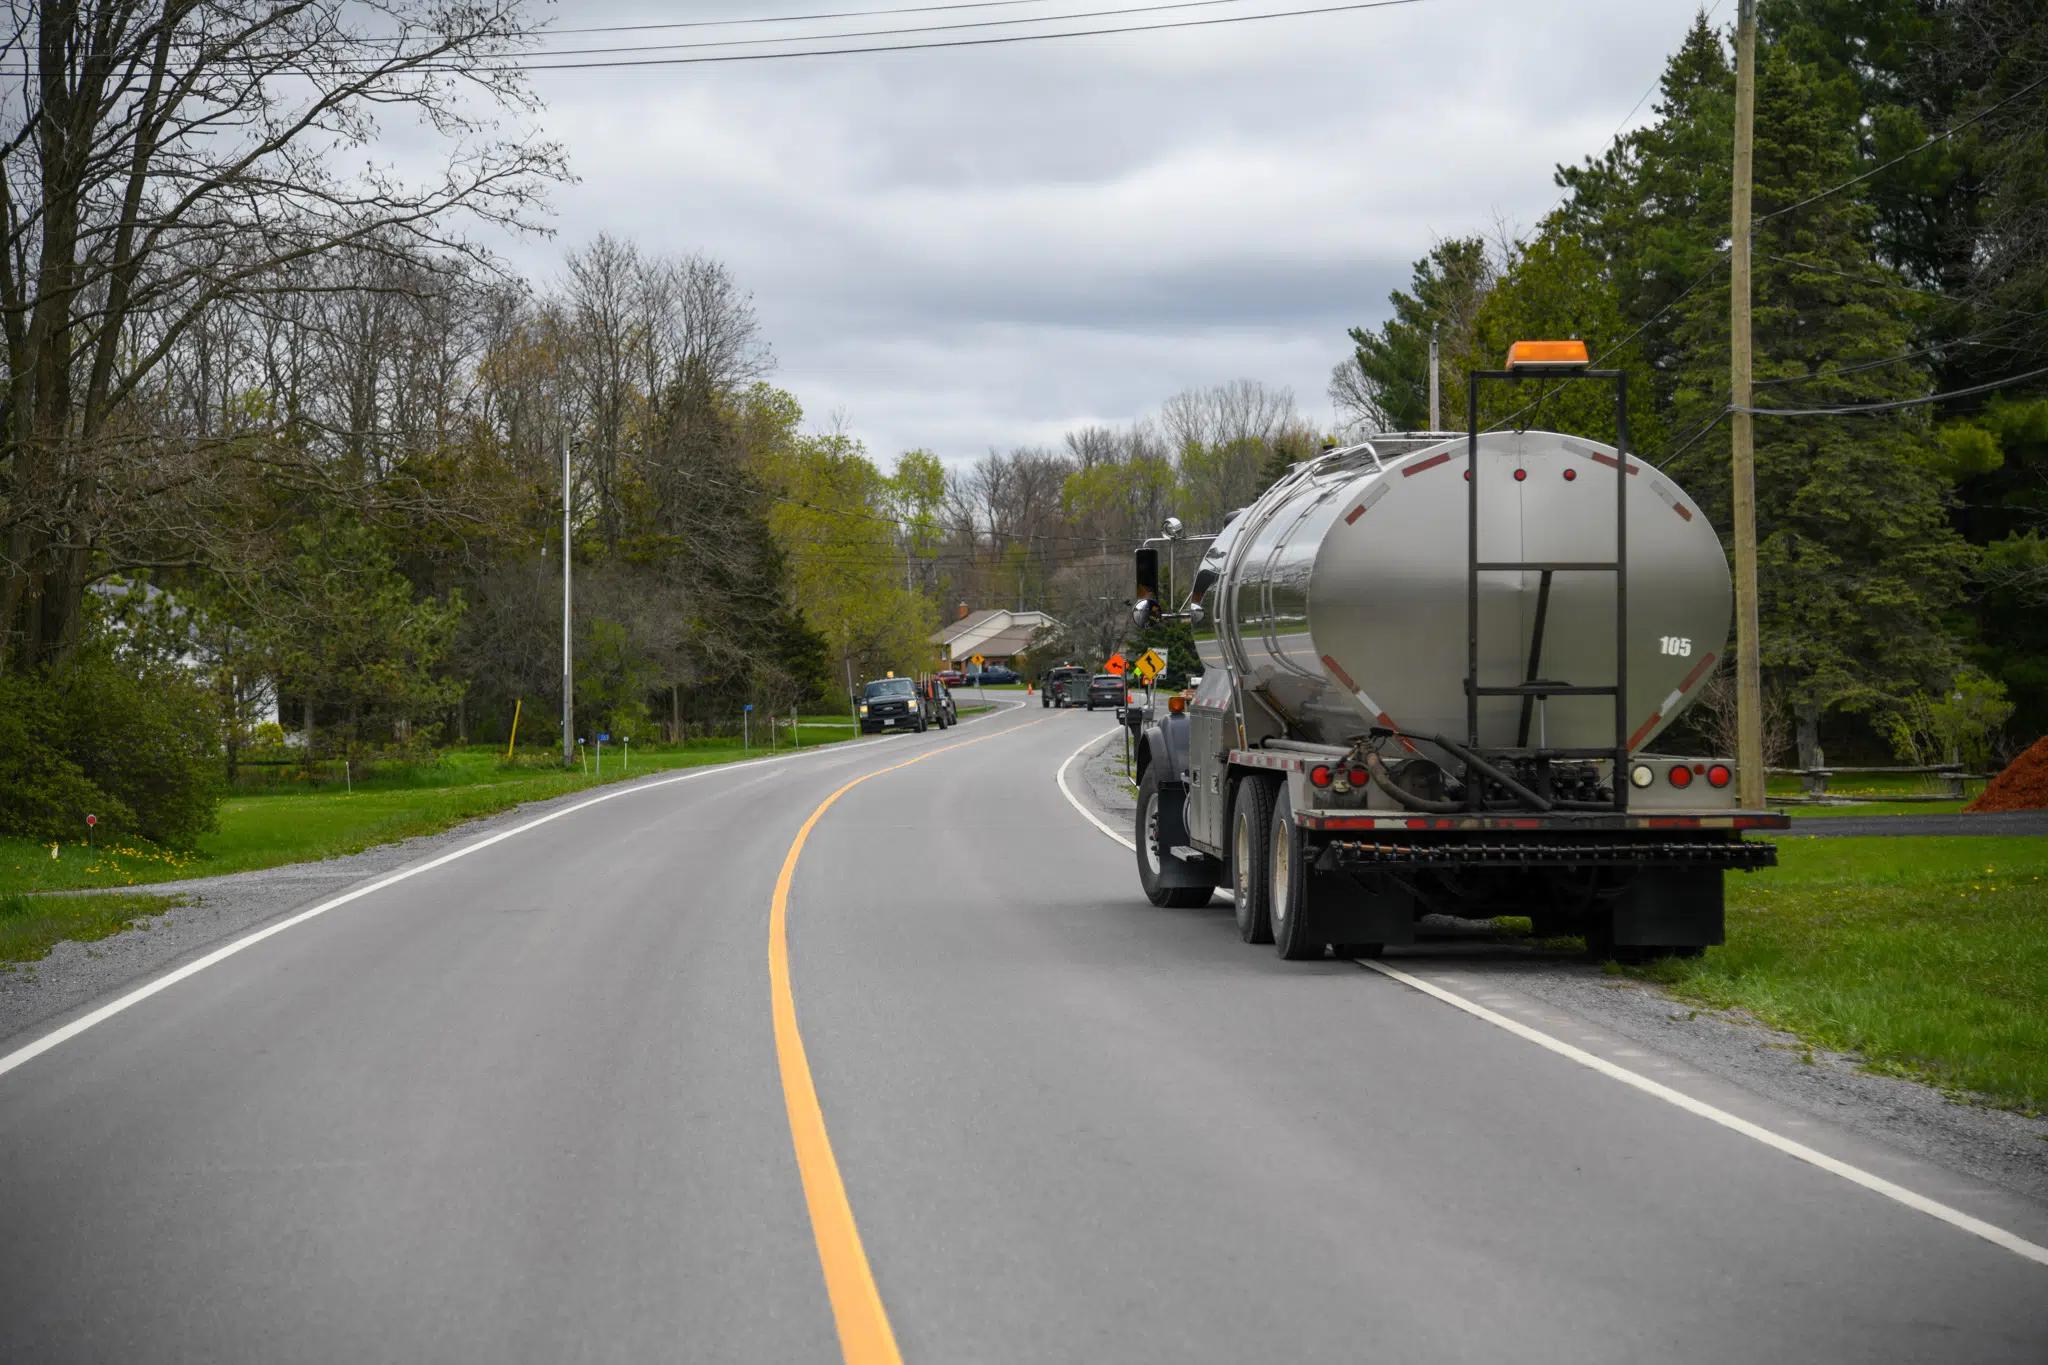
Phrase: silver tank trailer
[1341,594]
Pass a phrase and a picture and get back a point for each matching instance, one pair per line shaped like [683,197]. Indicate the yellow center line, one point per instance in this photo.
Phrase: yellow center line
[864,1334]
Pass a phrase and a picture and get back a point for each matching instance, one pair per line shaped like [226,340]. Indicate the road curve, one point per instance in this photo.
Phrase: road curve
[529,1105]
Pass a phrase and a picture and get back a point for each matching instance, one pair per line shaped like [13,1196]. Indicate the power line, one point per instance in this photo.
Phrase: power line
[1653,86]
[796,18]
[1862,366]
[1852,409]
[513,65]
[873,32]
[1942,136]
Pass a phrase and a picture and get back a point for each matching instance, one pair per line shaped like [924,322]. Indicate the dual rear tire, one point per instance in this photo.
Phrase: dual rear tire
[1270,874]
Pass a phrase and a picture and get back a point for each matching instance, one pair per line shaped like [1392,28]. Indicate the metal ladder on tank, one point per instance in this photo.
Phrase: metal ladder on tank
[1534,689]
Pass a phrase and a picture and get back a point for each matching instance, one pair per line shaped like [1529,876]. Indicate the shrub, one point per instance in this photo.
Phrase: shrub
[131,745]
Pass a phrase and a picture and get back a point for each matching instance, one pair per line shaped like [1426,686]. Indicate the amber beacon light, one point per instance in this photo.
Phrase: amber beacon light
[1548,355]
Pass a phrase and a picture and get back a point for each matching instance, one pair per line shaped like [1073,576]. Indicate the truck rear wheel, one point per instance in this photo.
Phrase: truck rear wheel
[1251,816]
[1288,874]
[1152,856]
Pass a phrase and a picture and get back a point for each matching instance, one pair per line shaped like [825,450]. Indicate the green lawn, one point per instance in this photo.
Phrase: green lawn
[295,825]
[1928,956]
[32,925]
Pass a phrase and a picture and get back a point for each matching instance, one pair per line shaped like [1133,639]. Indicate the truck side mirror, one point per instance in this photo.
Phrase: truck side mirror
[1145,610]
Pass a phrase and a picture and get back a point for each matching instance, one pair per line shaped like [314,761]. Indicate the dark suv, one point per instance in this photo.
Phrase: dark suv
[1107,689]
[893,704]
[1064,686]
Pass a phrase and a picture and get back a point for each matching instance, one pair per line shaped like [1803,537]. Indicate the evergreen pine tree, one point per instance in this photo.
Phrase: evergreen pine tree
[1857,563]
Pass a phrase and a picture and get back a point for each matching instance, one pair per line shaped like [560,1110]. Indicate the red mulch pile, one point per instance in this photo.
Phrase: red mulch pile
[2022,786]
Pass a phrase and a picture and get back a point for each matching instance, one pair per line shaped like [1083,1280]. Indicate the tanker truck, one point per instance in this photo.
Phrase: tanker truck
[1433,667]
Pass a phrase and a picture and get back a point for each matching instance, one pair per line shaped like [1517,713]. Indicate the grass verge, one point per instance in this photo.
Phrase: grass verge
[1926,956]
[269,829]
[32,925]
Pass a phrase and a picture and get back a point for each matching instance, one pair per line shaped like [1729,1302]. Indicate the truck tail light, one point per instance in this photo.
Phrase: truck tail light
[1359,777]
[1320,774]
[1680,775]
[1720,775]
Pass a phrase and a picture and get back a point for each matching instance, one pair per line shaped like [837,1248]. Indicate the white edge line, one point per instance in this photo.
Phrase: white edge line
[1075,802]
[30,1051]
[1855,1175]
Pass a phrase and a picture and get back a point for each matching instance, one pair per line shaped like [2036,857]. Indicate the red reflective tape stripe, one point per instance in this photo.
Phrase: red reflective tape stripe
[1355,514]
[1388,721]
[1637,737]
[1609,461]
[1702,666]
[1677,507]
[1431,463]
[1342,676]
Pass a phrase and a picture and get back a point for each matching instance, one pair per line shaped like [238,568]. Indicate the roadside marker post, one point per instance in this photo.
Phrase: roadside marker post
[747,728]
[600,756]
[629,755]
[515,728]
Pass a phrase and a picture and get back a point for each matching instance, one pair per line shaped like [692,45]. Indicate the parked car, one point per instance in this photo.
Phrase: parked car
[945,712]
[992,675]
[1107,689]
[1064,686]
[893,704]
[951,677]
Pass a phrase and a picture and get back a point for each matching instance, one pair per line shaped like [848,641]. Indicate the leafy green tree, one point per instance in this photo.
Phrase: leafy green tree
[1557,287]
[346,635]
[130,740]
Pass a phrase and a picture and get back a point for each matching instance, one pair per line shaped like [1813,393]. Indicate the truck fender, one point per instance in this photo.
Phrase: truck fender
[1167,743]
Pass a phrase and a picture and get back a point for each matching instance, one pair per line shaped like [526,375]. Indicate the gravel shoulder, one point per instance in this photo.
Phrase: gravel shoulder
[1996,1146]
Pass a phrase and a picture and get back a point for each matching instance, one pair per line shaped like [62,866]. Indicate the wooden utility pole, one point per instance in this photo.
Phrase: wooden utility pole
[1749,758]
[568,628]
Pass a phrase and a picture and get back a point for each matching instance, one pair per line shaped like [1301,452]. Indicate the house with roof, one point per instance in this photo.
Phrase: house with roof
[999,635]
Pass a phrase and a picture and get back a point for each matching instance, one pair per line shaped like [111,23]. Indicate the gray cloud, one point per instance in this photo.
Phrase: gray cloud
[984,247]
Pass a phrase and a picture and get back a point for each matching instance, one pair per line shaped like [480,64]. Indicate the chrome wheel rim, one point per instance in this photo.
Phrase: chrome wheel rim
[1151,849]
[1281,872]
[1240,860]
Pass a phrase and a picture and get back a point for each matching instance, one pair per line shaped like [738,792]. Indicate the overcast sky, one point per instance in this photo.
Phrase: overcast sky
[987,246]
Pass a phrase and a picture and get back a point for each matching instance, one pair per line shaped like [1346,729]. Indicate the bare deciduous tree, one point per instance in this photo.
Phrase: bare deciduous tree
[163,158]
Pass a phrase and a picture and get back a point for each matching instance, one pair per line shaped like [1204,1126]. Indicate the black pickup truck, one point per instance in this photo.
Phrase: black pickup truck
[893,704]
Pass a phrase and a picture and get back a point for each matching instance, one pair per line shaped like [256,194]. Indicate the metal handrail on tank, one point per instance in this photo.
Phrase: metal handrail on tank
[1534,690]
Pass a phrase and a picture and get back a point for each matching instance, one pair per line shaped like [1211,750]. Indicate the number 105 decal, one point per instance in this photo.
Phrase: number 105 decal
[1675,644]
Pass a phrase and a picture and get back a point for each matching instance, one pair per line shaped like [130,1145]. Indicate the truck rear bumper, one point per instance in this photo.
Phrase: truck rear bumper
[1359,854]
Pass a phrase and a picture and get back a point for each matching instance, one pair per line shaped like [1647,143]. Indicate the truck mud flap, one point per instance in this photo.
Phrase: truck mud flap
[1357,855]
[1367,907]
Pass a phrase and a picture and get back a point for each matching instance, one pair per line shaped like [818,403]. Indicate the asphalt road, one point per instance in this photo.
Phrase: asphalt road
[529,1105]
